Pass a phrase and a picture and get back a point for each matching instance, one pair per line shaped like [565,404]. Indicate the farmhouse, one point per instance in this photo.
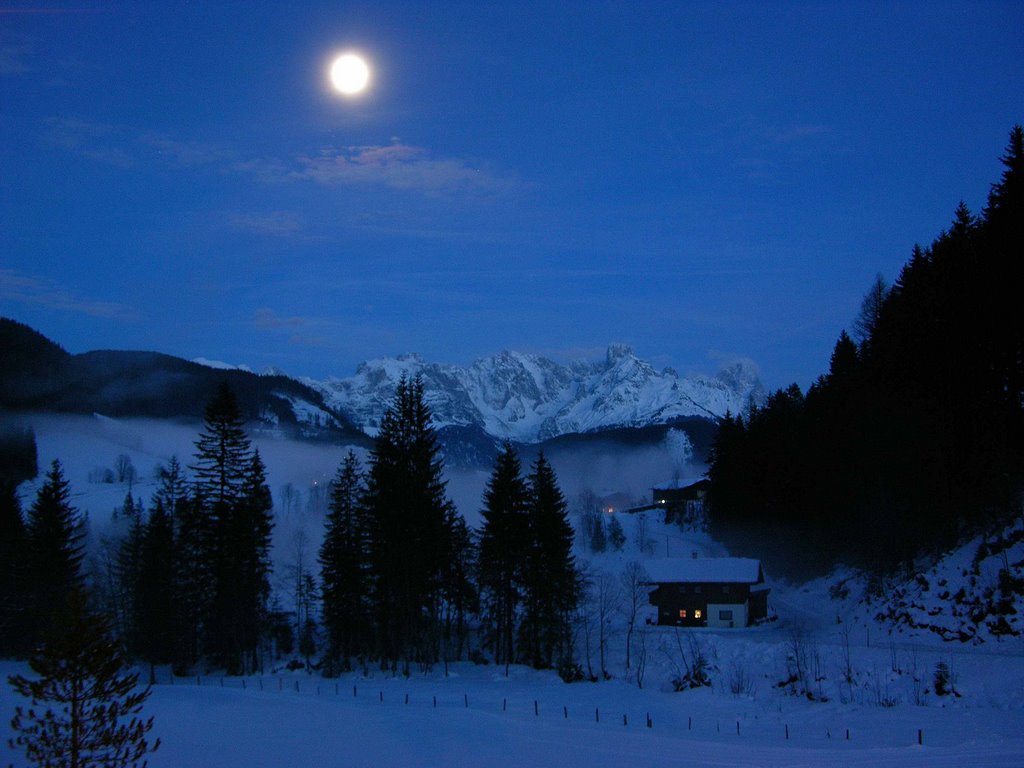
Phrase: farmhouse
[708,591]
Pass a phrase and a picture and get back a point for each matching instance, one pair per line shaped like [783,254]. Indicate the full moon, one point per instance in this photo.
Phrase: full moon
[349,74]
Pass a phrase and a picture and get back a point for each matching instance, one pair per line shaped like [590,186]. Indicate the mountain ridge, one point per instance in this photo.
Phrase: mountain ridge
[530,399]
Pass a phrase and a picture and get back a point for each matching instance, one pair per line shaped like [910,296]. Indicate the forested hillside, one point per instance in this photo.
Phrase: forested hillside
[915,436]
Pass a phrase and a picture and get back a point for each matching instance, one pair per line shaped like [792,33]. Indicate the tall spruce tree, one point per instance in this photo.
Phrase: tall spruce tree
[344,567]
[194,581]
[156,606]
[13,583]
[223,451]
[459,591]
[228,533]
[242,579]
[406,504]
[550,579]
[55,550]
[504,542]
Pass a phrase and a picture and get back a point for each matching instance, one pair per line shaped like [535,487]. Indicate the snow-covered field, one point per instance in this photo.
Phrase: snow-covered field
[871,682]
[482,718]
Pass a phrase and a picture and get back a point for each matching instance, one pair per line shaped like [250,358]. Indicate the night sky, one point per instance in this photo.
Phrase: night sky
[702,181]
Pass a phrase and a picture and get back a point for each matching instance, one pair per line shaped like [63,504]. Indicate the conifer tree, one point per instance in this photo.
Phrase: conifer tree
[128,563]
[222,451]
[459,591]
[504,539]
[550,578]
[193,579]
[54,548]
[156,607]
[406,504]
[13,584]
[344,566]
[242,579]
[92,710]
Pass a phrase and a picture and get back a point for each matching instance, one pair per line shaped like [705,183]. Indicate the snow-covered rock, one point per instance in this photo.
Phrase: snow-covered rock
[529,398]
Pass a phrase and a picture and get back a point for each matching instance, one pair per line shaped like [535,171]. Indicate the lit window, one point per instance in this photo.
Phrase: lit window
[682,614]
[696,614]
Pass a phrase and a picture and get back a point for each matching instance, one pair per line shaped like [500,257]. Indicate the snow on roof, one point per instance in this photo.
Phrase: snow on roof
[732,570]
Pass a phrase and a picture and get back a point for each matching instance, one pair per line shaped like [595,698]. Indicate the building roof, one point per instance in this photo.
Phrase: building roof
[704,570]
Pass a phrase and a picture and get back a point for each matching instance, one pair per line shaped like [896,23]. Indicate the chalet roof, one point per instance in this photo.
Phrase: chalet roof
[679,484]
[704,570]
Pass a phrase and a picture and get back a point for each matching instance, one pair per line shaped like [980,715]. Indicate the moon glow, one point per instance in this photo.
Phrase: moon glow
[349,74]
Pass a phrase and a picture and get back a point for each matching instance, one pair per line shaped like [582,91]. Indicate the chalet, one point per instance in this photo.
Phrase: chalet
[674,493]
[707,591]
[678,500]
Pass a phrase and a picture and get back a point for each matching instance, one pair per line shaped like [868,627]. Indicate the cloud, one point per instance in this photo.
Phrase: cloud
[796,132]
[297,340]
[187,153]
[95,141]
[13,58]
[275,223]
[395,166]
[28,289]
[266,319]
[399,166]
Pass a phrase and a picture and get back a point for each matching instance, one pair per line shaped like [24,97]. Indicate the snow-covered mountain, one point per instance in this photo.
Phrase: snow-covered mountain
[529,398]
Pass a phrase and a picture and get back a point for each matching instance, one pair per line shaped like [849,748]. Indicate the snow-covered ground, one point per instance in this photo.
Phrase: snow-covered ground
[482,718]
[867,676]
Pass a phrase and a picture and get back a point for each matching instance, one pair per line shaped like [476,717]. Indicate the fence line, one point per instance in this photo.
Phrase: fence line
[451,701]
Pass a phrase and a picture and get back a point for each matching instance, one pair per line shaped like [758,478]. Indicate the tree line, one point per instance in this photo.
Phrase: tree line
[403,579]
[915,436]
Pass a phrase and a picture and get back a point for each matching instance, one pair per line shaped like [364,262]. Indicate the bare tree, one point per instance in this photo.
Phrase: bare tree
[289,499]
[691,661]
[124,469]
[644,542]
[640,639]
[607,597]
[633,580]
[585,615]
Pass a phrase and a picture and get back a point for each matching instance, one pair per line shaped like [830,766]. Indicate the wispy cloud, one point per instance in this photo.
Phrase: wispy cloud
[267,320]
[97,141]
[29,289]
[187,153]
[14,58]
[797,132]
[275,223]
[396,165]
[399,166]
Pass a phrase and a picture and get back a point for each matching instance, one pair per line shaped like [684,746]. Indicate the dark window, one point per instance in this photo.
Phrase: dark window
[725,589]
[696,589]
[725,615]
